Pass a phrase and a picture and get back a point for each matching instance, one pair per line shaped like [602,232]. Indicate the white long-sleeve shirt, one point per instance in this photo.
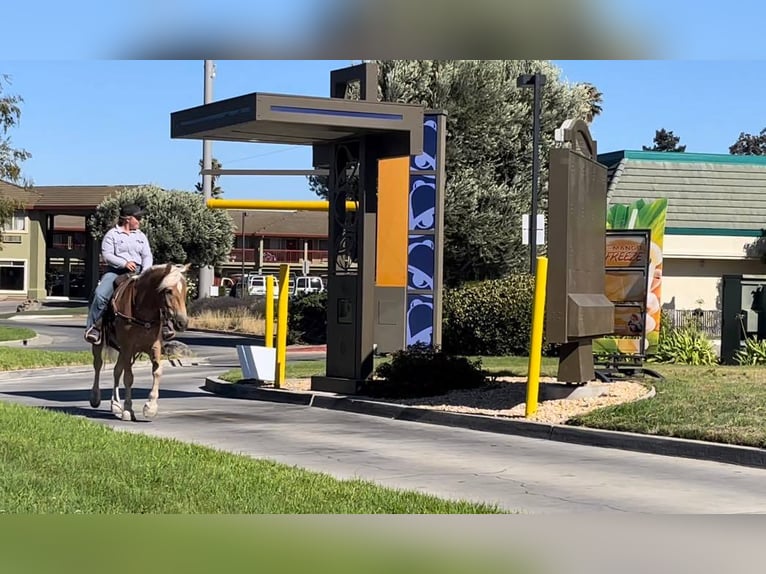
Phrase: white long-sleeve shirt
[118,247]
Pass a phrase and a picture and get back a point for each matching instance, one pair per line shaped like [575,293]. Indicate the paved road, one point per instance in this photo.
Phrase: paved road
[529,475]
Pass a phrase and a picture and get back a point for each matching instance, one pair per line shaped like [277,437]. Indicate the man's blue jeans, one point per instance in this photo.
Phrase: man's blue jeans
[101,298]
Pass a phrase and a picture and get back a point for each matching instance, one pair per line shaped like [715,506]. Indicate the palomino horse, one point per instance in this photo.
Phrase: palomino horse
[132,324]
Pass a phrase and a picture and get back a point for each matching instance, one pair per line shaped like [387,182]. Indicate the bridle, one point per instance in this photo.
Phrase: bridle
[166,312]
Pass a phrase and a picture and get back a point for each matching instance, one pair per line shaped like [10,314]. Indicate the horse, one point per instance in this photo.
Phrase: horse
[132,324]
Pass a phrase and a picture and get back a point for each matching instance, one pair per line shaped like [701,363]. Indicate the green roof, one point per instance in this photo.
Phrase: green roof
[708,194]
[682,157]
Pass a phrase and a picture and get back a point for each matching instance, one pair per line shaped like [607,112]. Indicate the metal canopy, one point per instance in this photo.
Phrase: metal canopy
[297,120]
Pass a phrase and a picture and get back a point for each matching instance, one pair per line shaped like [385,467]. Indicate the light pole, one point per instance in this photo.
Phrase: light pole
[242,284]
[206,272]
[536,82]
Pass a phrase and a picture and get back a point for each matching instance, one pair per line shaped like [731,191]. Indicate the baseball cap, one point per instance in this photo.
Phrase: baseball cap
[131,209]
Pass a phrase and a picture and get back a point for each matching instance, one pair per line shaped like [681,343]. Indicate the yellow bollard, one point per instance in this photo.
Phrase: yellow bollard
[269,330]
[536,343]
[284,279]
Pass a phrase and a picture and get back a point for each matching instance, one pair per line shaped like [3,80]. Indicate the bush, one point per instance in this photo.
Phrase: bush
[227,305]
[489,318]
[307,319]
[422,371]
[686,345]
[754,352]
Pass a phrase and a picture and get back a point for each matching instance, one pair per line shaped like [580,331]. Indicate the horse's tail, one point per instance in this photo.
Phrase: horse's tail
[107,354]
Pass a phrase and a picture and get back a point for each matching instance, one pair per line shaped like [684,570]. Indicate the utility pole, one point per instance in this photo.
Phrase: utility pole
[206,272]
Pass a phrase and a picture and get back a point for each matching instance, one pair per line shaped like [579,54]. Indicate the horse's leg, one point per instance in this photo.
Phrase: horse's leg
[150,406]
[127,410]
[98,363]
[118,370]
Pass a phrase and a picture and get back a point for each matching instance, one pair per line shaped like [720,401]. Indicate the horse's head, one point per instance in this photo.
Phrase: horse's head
[172,289]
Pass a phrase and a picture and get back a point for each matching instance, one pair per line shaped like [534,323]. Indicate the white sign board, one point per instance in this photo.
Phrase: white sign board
[539,229]
[257,362]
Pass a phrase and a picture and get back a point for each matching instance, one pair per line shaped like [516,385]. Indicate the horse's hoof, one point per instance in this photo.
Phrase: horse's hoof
[150,410]
[128,416]
[117,409]
[95,399]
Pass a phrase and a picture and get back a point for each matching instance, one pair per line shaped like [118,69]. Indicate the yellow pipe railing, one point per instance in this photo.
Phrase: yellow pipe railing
[536,343]
[256,204]
[284,275]
[269,328]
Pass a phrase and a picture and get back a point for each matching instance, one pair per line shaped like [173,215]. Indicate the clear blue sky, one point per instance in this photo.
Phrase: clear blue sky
[107,121]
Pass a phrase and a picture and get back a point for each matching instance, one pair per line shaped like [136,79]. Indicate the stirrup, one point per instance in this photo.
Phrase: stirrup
[93,336]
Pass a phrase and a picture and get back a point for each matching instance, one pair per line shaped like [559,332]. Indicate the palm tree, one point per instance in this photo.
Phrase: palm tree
[215,191]
[595,99]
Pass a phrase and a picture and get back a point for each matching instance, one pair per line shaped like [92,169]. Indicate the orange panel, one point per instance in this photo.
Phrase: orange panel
[393,222]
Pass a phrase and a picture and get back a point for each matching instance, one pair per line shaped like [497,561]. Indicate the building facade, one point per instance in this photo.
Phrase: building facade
[48,251]
[715,219]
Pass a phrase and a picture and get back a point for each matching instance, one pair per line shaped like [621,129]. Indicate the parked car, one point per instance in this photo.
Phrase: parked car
[256,286]
[307,284]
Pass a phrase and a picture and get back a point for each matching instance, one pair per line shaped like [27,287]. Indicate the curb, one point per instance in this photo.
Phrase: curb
[660,445]
[19,342]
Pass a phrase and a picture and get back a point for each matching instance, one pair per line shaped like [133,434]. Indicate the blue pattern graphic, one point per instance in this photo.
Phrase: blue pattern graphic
[420,319]
[420,263]
[427,160]
[421,248]
[422,203]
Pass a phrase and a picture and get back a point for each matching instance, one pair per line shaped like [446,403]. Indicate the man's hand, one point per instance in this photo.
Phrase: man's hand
[130,266]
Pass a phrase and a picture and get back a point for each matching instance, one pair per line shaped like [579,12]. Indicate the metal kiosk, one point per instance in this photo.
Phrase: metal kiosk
[349,137]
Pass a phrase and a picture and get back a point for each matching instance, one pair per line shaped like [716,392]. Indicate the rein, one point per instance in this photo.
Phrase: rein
[141,322]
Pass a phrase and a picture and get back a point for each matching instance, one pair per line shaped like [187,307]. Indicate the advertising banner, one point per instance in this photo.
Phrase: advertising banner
[625,251]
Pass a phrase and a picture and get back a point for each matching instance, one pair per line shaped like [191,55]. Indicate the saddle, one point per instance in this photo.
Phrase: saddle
[119,305]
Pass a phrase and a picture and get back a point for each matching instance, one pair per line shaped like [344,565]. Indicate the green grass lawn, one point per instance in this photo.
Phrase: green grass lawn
[500,366]
[56,463]
[15,358]
[11,333]
[721,404]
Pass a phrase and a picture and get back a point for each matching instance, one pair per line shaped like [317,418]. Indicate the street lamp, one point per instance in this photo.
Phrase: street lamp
[536,82]
[242,284]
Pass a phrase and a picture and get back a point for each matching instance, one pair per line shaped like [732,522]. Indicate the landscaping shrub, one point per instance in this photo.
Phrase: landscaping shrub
[490,317]
[307,319]
[754,352]
[685,345]
[421,371]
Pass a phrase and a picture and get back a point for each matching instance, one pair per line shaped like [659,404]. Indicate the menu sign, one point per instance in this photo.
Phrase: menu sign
[627,269]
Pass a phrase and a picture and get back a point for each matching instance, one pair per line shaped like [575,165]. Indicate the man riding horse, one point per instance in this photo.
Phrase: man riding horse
[126,250]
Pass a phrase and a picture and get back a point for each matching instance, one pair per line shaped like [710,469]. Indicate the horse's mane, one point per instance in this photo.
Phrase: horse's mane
[157,273]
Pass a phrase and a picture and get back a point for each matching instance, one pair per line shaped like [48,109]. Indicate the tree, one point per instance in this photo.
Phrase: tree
[594,101]
[10,157]
[215,191]
[665,141]
[748,144]
[180,228]
[489,151]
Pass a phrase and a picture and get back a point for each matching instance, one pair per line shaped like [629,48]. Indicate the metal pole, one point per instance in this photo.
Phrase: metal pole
[538,87]
[242,279]
[536,342]
[206,272]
